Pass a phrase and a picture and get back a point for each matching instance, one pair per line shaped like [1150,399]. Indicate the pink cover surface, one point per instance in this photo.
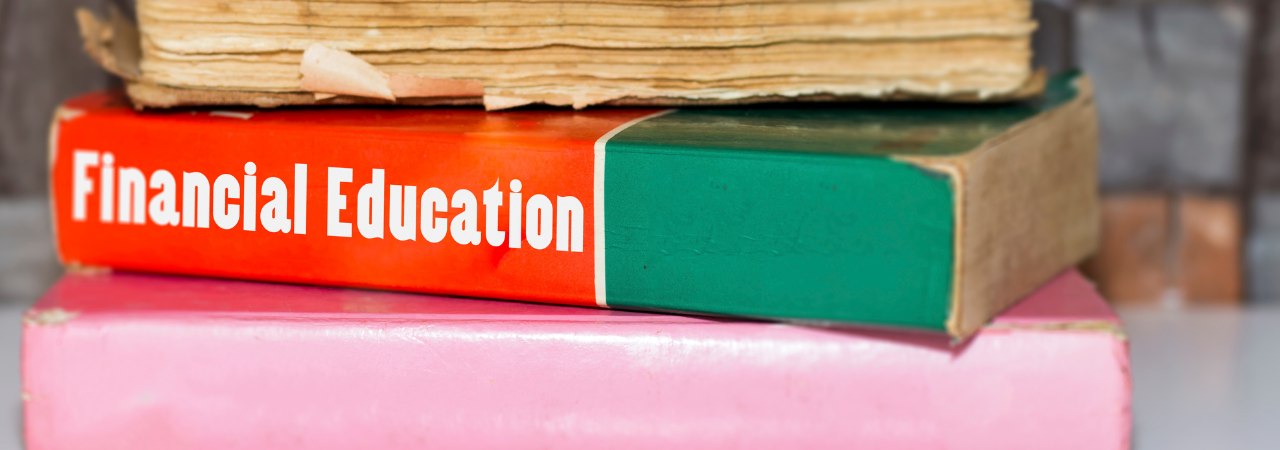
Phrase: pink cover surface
[137,362]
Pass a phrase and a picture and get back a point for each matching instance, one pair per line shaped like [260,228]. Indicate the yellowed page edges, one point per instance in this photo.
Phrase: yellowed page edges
[331,71]
[405,85]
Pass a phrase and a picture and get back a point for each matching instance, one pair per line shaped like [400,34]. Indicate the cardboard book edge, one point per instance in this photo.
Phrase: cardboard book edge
[62,114]
[968,313]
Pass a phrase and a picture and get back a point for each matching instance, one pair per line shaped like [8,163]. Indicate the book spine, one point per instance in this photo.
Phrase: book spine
[608,208]
[536,376]
[449,213]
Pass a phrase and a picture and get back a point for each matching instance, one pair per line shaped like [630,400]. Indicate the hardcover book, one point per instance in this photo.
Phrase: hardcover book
[926,216]
[127,361]
[504,53]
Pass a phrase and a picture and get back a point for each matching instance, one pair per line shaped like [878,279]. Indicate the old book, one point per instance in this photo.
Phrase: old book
[926,216]
[570,53]
[136,361]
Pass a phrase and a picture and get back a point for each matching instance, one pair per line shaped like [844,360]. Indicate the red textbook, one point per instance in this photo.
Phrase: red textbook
[131,362]
[929,217]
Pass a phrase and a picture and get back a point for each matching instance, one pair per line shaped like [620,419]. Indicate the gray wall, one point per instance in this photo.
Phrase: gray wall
[41,64]
[1168,82]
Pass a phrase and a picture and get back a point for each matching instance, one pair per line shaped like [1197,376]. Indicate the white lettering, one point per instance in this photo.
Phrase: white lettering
[226,216]
[568,224]
[274,213]
[250,196]
[106,211]
[369,201]
[133,196]
[124,198]
[299,199]
[492,205]
[195,200]
[404,212]
[164,206]
[465,229]
[513,222]
[434,201]
[538,225]
[82,185]
[337,201]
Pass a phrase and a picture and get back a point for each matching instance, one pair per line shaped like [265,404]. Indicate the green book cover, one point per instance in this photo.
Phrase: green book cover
[851,214]
[929,216]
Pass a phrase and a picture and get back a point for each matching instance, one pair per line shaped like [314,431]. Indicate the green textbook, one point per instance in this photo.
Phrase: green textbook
[931,216]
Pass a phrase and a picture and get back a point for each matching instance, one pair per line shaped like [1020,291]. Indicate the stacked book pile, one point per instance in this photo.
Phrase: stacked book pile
[827,275]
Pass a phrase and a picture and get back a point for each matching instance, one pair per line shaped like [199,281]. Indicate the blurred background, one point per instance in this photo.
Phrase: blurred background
[1188,93]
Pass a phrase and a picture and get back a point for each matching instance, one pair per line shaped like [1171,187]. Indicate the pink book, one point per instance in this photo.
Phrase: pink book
[138,362]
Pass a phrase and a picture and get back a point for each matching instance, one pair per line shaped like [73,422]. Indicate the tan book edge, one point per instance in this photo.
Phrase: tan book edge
[690,24]
[115,45]
[1027,207]
[151,95]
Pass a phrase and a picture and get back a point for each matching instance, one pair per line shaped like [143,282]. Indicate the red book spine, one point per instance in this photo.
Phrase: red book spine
[297,196]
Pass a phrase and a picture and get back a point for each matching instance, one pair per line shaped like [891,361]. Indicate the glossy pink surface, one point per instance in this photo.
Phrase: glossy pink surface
[162,362]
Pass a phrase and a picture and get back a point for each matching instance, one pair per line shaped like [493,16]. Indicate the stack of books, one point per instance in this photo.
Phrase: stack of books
[827,275]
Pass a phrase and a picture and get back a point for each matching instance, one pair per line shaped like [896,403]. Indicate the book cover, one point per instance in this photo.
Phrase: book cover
[124,361]
[925,216]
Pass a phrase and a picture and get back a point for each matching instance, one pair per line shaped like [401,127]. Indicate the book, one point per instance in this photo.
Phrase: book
[925,216]
[144,361]
[507,54]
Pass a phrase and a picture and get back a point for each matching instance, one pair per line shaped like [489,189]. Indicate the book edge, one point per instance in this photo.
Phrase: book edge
[597,202]
[979,294]
[988,288]
[60,114]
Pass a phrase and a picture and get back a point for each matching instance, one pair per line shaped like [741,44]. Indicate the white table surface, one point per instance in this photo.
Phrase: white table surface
[1205,378]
